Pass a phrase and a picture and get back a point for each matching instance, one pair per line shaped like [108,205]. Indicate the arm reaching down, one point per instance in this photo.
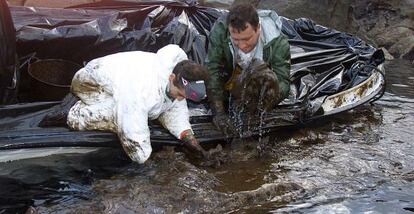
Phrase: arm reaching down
[176,120]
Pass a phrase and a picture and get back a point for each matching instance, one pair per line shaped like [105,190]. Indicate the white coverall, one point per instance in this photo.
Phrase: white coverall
[120,92]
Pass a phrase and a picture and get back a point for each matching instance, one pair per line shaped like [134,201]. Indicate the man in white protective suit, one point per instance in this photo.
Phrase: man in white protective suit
[120,92]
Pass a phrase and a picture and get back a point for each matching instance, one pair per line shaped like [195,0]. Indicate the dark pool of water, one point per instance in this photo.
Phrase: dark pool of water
[358,161]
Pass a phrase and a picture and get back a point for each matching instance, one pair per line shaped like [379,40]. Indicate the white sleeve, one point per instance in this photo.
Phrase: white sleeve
[133,131]
[176,119]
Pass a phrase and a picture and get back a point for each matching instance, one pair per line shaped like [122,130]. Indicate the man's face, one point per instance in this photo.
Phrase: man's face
[245,40]
[174,91]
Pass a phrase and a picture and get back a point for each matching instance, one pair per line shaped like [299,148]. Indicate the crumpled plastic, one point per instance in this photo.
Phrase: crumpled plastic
[82,34]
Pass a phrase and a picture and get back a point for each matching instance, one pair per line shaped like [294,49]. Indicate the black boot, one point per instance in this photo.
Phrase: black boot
[58,114]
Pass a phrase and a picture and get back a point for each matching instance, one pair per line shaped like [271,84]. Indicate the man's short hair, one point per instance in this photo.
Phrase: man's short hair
[241,14]
[190,71]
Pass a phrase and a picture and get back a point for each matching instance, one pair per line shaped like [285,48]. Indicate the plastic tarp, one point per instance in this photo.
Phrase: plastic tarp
[324,61]
[96,30]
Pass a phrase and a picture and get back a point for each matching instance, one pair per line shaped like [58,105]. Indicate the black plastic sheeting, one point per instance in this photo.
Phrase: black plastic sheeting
[104,28]
[323,54]
[324,62]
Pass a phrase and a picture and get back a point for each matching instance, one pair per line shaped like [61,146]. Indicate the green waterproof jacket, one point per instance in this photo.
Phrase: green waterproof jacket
[220,62]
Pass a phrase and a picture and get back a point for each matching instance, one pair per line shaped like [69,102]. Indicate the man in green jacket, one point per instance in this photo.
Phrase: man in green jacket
[234,41]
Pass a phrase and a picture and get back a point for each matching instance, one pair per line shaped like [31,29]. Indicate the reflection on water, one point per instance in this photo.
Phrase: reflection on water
[400,76]
[358,161]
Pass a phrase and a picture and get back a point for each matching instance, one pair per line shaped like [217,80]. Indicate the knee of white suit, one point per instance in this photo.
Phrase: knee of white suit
[138,151]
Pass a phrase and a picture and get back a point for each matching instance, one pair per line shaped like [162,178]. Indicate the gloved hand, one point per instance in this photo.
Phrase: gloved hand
[220,119]
[261,91]
[213,157]
[191,143]
[217,157]
[223,123]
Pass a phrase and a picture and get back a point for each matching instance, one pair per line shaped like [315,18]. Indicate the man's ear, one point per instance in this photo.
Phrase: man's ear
[171,77]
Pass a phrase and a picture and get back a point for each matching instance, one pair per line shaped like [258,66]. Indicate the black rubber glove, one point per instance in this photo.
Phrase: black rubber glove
[261,91]
[58,114]
[222,120]
[224,124]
